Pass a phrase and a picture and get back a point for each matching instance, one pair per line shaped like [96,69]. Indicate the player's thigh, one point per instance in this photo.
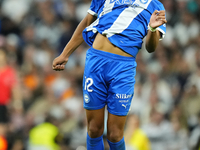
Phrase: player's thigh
[94,85]
[121,91]
[115,127]
[95,122]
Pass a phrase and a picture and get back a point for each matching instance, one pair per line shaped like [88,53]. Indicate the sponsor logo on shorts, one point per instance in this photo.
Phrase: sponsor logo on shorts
[123,101]
[124,105]
[123,96]
[86,98]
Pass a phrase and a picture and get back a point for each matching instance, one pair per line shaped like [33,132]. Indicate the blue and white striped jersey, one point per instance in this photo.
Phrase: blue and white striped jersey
[124,22]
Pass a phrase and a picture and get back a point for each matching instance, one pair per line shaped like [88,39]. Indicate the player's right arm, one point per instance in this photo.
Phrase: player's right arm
[157,19]
[75,41]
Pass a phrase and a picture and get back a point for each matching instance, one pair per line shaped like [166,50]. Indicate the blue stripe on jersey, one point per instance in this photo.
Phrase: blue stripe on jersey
[124,22]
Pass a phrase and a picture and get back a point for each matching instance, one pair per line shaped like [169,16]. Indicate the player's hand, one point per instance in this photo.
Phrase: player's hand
[157,19]
[59,63]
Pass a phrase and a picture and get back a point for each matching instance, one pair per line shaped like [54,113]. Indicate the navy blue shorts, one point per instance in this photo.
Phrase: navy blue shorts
[108,80]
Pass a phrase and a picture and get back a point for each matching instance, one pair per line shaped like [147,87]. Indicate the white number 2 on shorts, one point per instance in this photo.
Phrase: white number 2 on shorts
[88,84]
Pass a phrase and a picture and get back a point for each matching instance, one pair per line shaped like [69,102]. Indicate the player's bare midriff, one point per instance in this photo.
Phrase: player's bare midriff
[102,43]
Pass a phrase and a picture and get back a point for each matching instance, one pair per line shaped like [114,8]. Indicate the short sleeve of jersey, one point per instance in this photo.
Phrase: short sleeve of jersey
[95,6]
[162,28]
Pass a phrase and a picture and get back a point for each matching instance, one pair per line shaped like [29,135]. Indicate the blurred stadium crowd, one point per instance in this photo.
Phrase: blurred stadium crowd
[42,109]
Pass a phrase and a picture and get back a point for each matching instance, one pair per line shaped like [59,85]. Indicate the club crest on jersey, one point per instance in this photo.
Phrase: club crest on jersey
[143,1]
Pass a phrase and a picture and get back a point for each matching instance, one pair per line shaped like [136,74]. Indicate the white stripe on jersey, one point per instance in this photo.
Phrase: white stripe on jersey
[125,18]
[92,12]
[107,7]
[91,27]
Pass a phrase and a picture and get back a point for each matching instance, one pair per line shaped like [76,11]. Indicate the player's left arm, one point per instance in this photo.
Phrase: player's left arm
[157,19]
